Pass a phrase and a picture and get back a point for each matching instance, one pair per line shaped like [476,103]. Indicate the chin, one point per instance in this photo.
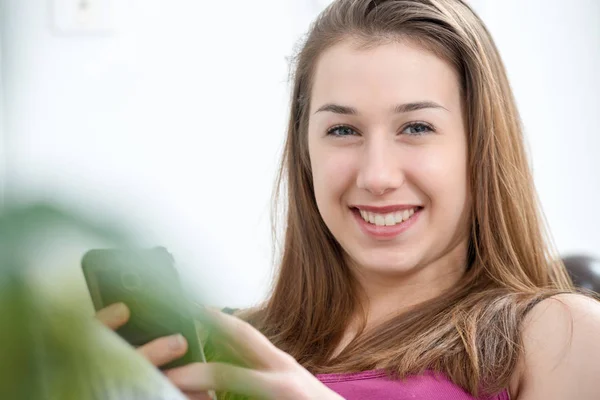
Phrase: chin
[388,263]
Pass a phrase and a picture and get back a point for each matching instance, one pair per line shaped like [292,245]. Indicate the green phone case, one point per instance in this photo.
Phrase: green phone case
[147,282]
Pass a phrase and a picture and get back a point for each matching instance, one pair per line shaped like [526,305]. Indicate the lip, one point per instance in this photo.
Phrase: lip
[386,209]
[385,232]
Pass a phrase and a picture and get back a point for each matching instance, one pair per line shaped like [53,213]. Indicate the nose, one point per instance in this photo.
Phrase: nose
[381,168]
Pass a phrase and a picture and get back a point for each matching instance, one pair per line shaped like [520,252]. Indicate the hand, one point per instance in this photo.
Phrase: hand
[267,372]
[159,351]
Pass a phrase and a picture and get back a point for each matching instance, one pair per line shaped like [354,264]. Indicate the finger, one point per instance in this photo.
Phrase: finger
[219,350]
[197,377]
[164,349]
[113,316]
[245,339]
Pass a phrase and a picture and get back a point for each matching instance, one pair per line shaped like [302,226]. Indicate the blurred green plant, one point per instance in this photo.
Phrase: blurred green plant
[51,349]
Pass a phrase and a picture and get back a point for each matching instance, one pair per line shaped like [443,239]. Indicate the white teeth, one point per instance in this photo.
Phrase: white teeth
[390,220]
[398,216]
[387,219]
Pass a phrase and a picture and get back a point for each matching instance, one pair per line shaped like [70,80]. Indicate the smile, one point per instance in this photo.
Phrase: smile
[388,219]
[386,223]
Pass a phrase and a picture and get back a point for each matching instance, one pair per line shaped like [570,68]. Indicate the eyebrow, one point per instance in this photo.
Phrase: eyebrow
[399,109]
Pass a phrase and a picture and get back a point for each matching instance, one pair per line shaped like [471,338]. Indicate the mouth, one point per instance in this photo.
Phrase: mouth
[386,223]
[389,218]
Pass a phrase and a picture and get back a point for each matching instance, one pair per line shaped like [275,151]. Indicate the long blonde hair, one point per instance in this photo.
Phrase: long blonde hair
[472,333]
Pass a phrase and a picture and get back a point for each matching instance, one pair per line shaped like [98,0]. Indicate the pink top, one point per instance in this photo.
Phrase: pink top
[375,384]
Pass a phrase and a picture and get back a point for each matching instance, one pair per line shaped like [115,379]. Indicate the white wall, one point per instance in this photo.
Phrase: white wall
[551,49]
[3,161]
[174,122]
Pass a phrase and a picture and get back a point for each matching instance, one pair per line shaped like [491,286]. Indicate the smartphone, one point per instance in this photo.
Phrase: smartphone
[146,280]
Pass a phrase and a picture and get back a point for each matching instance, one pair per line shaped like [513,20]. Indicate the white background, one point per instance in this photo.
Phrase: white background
[173,121]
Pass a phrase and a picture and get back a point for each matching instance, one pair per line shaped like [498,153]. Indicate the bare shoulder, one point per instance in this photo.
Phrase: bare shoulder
[561,338]
[244,313]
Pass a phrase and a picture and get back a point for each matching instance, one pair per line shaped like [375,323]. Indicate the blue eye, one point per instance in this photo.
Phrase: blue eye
[341,130]
[412,129]
[417,129]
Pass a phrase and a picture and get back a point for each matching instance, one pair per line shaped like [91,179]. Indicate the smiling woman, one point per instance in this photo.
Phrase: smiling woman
[415,262]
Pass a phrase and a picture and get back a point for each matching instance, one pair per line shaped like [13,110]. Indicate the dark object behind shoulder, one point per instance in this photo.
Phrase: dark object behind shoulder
[229,311]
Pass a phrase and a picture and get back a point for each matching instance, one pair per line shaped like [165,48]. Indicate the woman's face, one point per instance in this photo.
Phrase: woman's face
[388,152]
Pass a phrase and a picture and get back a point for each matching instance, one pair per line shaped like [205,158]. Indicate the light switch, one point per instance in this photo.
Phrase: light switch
[82,16]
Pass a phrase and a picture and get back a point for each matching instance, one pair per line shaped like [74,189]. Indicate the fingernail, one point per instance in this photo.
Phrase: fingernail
[176,342]
[118,310]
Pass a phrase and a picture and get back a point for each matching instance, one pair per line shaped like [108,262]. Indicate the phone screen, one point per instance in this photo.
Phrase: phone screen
[148,283]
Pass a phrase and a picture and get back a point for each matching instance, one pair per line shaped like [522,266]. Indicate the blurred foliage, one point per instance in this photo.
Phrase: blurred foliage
[50,348]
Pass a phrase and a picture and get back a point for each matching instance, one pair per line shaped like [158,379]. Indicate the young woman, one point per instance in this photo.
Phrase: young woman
[414,263]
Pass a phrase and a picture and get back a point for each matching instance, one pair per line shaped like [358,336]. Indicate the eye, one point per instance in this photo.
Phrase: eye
[341,130]
[417,129]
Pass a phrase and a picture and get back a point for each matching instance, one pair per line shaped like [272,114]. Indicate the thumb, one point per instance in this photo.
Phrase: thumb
[113,316]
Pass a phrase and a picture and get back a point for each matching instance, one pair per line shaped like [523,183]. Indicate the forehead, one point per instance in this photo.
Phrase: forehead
[391,73]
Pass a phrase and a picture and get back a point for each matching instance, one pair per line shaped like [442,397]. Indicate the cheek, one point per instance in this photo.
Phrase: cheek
[442,170]
[441,173]
[333,175]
